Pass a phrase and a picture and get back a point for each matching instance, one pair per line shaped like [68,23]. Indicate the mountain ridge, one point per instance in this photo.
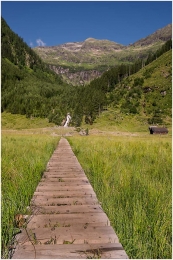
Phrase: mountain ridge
[166,29]
[80,58]
[160,34]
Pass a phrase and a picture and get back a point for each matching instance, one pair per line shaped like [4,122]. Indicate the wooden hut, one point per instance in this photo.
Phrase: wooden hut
[158,130]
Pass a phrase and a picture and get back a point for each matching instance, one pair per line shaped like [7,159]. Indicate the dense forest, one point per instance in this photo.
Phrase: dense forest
[30,88]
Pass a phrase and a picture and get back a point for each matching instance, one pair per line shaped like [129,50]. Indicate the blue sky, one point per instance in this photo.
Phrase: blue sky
[50,23]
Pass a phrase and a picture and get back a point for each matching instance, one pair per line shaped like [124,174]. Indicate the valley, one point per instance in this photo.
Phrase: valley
[113,94]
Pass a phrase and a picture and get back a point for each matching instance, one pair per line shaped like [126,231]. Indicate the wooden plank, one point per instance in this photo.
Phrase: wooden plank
[64,188]
[65,174]
[59,162]
[49,201]
[64,179]
[60,182]
[70,235]
[69,231]
[63,163]
[68,209]
[35,221]
[65,171]
[85,251]
[70,166]
[66,194]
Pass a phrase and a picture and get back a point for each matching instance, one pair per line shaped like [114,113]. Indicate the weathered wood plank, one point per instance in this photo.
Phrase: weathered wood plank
[59,182]
[64,164]
[69,235]
[63,201]
[68,209]
[63,175]
[65,167]
[65,171]
[64,188]
[66,194]
[35,221]
[65,179]
[71,251]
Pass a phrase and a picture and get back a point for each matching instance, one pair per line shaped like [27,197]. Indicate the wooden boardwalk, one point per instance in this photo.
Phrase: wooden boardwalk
[67,220]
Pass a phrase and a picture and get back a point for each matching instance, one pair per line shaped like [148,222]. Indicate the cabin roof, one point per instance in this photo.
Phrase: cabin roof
[155,129]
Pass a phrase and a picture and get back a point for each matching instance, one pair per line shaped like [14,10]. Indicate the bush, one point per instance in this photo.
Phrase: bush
[138,82]
[133,109]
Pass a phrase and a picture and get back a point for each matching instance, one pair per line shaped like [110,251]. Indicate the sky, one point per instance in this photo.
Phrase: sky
[51,23]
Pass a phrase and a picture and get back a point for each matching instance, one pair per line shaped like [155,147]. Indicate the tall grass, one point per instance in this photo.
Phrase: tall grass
[24,159]
[132,180]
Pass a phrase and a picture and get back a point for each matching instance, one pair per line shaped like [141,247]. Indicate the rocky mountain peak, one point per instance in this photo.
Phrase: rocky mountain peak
[90,40]
[163,34]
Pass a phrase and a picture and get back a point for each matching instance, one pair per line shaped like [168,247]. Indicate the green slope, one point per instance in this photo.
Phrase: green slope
[141,99]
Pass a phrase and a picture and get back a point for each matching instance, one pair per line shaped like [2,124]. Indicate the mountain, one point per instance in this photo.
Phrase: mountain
[161,35]
[30,88]
[81,62]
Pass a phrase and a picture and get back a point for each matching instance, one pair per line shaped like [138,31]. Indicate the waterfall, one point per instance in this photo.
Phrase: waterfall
[68,118]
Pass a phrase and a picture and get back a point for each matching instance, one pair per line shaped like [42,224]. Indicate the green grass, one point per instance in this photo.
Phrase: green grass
[15,121]
[131,175]
[132,179]
[24,159]
[113,120]
[116,121]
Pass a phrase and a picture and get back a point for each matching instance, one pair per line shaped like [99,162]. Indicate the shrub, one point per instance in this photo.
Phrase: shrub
[138,82]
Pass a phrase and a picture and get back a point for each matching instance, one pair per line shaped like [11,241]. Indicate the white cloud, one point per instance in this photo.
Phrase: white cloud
[31,44]
[40,42]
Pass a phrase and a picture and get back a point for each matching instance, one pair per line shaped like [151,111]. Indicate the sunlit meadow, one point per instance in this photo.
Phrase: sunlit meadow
[131,176]
[24,158]
[132,180]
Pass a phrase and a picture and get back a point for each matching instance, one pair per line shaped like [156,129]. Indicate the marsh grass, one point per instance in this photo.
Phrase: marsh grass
[132,180]
[24,158]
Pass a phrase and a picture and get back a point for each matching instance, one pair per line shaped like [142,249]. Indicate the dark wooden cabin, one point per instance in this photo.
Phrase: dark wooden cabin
[158,130]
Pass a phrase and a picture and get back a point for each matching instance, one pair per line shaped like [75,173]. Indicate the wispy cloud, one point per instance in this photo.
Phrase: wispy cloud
[40,42]
[31,44]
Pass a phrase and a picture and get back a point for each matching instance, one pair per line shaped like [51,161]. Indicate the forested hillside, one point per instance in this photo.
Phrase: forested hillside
[142,88]
[148,92]
[30,88]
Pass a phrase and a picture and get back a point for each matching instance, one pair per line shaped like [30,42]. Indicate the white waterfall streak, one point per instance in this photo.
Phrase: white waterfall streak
[68,118]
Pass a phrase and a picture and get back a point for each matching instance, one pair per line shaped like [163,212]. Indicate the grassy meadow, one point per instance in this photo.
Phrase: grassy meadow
[132,179]
[130,173]
[18,122]
[24,158]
